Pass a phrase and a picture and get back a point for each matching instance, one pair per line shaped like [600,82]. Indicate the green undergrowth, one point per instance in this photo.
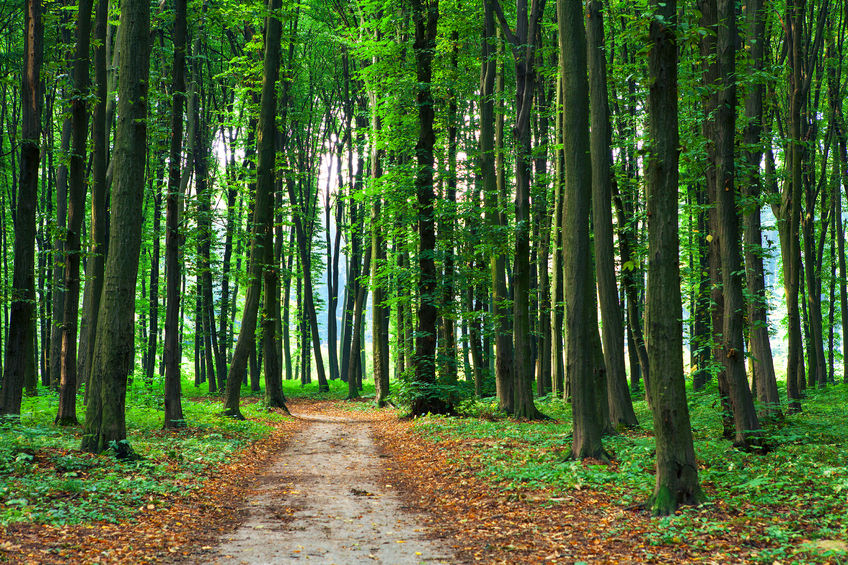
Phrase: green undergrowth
[773,503]
[45,478]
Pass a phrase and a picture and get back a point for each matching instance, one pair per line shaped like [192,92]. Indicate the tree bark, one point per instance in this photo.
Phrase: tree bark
[579,288]
[425,16]
[262,218]
[620,405]
[19,340]
[105,424]
[677,472]
[763,363]
[173,207]
[746,423]
[523,43]
[67,414]
[494,217]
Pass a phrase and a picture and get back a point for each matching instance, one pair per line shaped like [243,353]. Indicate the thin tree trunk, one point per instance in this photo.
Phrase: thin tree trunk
[620,405]
[262,218]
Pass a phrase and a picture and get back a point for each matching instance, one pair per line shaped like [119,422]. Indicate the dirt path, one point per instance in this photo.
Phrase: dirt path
[325,501]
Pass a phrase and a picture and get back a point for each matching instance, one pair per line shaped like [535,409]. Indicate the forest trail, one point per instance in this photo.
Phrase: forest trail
[325,500]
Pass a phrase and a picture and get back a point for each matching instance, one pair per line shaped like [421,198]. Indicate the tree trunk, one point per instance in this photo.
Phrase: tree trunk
[425,17]
[105,424]
[173,207]
[732,342]
[763,363]
[67,414]
[19,340]
[790,210]
[620,405]
[677,472]
[579,289]
[262,218]
[523,43]
[494,217]
[379,311]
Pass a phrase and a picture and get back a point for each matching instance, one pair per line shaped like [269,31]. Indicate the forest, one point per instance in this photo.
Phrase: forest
[566,278]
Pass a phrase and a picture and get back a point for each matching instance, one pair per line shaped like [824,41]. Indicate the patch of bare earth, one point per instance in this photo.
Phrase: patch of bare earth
[326,500]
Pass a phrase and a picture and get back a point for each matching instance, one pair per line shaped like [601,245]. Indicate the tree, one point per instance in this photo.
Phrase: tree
[262,233]
[173,203]
[763,363]
[105,425]
[425,17]
[76,211]
[677,473]
[620,405]
[21,333]
[577,278]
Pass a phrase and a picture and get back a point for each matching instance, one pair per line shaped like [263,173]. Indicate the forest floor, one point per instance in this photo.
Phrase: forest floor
[343,482]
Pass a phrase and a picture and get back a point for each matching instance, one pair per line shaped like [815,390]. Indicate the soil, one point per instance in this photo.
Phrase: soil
[328,499]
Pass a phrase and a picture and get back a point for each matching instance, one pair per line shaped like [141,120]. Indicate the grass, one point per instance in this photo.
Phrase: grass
[45,479]
[773,503]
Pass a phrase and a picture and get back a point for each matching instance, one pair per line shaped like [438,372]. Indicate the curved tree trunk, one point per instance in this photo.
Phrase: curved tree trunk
[262,218]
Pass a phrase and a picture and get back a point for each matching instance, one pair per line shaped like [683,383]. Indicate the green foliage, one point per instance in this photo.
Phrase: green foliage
[44,479]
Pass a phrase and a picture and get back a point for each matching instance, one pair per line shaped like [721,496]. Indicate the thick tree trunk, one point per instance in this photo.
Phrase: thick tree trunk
[425,17]
[19,340]
[677,472]
[105,424]
[732,342]
[173,206]
[581,315]
[523,43]
[791,205]
[494,217]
